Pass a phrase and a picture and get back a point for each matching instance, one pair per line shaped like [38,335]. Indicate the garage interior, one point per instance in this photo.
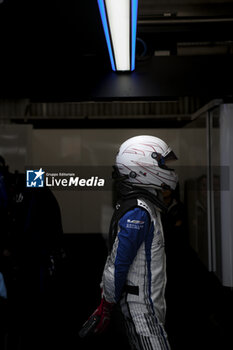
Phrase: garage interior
[62,106]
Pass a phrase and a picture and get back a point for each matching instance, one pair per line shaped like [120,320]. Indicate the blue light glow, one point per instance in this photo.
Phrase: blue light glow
[106,31]
[134,12]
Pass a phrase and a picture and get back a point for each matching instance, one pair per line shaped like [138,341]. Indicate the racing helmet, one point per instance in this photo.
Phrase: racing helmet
[141,161]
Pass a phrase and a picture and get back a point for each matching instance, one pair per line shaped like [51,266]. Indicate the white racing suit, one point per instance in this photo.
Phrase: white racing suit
[135,276]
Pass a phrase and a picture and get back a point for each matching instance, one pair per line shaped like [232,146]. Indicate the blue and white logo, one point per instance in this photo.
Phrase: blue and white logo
[35,178]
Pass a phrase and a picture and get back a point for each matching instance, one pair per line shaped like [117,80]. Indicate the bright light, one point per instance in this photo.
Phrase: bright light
[106,31]
[119,22]
[119,18]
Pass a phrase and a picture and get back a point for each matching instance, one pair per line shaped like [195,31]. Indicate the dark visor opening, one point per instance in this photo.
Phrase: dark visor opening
[170,156]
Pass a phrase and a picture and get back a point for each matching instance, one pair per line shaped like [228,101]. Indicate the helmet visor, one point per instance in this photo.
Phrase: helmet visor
[167,161]
[170,156]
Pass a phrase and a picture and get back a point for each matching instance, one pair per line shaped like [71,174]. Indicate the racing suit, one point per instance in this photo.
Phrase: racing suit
[135,275]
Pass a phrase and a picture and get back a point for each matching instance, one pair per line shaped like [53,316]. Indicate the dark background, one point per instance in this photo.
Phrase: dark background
[55,51]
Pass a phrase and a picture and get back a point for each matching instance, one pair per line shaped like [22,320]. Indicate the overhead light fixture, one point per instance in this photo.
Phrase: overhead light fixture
[119,19]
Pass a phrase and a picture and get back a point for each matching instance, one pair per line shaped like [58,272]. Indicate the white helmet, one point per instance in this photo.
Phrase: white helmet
[142,160]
